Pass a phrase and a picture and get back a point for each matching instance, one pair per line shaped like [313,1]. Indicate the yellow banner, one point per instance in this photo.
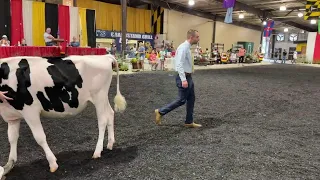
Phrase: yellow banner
[312,9]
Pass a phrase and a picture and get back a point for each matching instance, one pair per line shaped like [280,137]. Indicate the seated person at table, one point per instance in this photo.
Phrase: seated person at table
[74,42]
[23,42]
[48,38]
[4,41]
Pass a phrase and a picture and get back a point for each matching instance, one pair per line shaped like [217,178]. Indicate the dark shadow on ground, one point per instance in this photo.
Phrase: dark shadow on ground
[74,164]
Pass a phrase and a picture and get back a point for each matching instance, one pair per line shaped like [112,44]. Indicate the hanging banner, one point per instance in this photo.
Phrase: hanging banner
[319,26]
[228,4]
[312,9]
[268,28]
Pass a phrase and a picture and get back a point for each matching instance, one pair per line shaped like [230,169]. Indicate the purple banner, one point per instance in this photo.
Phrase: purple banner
[228,3]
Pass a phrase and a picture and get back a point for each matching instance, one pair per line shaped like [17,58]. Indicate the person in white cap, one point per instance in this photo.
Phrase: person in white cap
[4,41]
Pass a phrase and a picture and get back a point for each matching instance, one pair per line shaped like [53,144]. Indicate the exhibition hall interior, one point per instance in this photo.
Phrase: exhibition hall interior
[159,89]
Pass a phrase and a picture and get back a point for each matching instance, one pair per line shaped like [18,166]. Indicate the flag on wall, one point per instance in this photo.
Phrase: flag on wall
[157,20]
[268,28]
[316,54]
[5,18]
[228,4]
[312,9]
[16,22]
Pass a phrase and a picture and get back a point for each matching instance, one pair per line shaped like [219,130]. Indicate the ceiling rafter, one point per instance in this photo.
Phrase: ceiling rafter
[267,14]
[239,6]
[207,15]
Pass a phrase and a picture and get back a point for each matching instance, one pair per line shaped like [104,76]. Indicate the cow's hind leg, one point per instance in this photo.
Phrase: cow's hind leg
[33,120]
[110,126]
[13,136]
[105,119]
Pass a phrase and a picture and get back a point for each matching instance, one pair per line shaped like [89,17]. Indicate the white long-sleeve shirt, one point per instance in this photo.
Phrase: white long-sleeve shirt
[183,60]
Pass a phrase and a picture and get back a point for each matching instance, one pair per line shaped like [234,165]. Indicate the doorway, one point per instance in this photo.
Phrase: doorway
[291,51]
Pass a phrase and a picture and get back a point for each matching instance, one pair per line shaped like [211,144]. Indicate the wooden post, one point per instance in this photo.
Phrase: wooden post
[124,27]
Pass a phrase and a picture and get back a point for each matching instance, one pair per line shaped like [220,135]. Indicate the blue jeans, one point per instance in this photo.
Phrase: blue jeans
[49,44]
[186,95]
[284,59]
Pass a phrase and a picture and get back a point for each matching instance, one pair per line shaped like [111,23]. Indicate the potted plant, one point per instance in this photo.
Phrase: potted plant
[134,63]
[123,67]
[249,58]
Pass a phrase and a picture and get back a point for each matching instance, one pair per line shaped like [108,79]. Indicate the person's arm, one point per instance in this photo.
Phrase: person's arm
[3,97]
[180,59]
[50,36]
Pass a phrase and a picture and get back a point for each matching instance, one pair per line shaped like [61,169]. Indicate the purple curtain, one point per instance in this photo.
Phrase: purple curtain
[228,3]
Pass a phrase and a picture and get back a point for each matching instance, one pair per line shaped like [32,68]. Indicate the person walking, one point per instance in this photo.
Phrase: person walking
[184,82]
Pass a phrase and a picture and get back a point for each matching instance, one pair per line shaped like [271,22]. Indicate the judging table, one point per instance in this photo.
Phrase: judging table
[12,51]
[48,51]
[85,51]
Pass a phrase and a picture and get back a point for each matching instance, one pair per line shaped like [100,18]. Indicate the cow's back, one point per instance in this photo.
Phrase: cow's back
[58,87]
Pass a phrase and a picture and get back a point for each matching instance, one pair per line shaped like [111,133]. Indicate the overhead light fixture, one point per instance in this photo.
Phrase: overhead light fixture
[313,21]
[302,31]
[241,16]
[264,23]
[300,14]
[286,30]
[191,2]
[283,8]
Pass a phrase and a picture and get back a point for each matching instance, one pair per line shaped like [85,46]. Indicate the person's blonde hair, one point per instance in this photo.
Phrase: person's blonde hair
[191,33]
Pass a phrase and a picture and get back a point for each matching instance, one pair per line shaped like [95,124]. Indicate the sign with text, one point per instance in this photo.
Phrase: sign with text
[114,34]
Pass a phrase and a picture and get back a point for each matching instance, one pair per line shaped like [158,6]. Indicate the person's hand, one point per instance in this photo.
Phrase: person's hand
[3,97]
[185,84]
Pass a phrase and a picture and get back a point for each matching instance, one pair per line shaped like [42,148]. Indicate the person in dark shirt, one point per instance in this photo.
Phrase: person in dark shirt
[284,56]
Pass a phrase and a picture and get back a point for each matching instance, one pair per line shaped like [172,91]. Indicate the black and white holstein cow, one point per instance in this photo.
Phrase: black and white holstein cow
[56,88]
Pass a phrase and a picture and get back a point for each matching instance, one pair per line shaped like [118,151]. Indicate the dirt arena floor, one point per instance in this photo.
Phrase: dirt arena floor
[260,122]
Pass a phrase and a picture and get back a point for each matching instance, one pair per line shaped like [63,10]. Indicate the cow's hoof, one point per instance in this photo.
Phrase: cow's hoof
[110,146]
[1,172]
[96,155]
[54,168]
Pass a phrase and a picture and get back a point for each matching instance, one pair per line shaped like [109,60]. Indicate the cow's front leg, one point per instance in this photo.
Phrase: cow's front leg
[13,136]
[33,120]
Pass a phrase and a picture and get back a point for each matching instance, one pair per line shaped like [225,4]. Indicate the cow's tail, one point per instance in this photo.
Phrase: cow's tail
[120,103]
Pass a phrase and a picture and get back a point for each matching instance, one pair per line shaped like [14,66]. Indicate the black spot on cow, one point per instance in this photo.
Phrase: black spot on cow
[22,96]
[65,77]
